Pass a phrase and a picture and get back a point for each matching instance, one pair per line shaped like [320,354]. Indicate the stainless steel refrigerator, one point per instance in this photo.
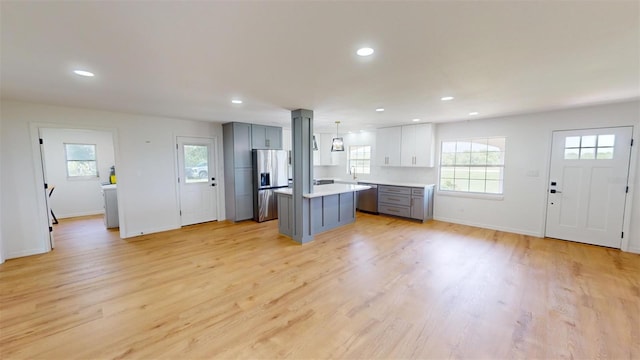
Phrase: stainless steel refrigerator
[269,173]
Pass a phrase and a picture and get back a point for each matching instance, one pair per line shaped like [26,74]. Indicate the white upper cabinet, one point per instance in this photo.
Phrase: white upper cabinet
[417,146]
[388,146]
[323,156]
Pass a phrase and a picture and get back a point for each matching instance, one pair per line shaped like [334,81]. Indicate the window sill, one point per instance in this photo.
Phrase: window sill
[471,195]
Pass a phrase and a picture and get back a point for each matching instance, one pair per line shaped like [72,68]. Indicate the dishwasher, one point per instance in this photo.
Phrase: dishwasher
[368,199]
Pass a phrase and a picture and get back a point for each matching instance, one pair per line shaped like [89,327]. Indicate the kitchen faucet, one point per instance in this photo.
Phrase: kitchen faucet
[353,172]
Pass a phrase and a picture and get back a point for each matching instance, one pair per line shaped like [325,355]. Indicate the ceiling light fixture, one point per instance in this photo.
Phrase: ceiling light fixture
[473,113]
[416,120]
[84,73]
[337,144]
[236,101]
[446,98]
[380,109]
[366,51]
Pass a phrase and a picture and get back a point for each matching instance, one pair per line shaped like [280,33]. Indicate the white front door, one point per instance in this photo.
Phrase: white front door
[588,185]
[197,180]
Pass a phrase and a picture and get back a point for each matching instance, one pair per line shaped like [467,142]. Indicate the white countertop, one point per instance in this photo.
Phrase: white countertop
[383,182]
[110,186]
[325,190]
[395,183]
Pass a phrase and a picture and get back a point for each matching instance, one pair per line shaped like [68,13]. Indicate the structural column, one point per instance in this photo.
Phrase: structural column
[302,155]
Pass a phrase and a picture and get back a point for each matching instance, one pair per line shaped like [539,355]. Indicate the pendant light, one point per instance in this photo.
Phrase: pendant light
[337,144]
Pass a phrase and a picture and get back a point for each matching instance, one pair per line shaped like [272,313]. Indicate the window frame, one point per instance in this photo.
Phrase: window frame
[95,161]
[485,165]
[350,159]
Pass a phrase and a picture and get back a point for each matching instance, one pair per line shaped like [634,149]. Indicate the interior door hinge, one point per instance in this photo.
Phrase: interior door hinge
[46,186]
[627,190]
[176,146]
[178,180]
[41,141]
[631,142]
[622,235]
[50,228]
[180,212]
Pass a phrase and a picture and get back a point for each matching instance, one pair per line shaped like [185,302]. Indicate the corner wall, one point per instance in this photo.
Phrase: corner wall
[145,160]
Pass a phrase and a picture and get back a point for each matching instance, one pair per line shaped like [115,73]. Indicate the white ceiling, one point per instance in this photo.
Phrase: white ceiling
[189,59]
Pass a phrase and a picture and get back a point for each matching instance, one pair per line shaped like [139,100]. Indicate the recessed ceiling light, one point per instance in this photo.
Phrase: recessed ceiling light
[446,98]
[473,113]
[380,109]
[416,120]
[83,73]
[364,51]
[236,101]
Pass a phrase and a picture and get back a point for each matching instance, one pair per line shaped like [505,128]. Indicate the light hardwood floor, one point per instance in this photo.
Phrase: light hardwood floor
[379,288]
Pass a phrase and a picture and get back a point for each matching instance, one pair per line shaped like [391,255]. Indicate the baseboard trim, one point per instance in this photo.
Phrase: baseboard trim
[633,250]
[78,214]
[490,227]
[150,231]
[23,253]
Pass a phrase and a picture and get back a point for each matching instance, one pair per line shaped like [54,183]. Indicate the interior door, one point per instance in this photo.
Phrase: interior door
[588,185]
[47,193]
[197,180]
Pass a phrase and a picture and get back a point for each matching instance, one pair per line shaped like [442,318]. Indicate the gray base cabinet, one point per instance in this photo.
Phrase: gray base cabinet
[325,212]
[331,211]
[409,202]
[111,219]
[285,214]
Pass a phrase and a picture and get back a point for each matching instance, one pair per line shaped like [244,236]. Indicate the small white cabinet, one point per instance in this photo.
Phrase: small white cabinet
[110,195]
[388,146]
[417,146]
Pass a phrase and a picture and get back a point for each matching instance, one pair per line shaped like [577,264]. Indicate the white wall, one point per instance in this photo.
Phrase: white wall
[76,197]
[146,167]
[527,153]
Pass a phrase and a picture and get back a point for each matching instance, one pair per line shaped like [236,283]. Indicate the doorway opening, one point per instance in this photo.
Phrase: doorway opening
[77,164]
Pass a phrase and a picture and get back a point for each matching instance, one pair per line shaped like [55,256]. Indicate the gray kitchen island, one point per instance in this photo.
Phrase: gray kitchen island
[331,206]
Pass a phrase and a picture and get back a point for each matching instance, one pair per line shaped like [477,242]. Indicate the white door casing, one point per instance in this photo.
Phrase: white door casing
[587,186]
[197,180]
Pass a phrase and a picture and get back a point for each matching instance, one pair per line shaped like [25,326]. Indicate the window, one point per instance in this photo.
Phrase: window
[473,165]
[196,161]
[81,160]
[589,147]
[360,159]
